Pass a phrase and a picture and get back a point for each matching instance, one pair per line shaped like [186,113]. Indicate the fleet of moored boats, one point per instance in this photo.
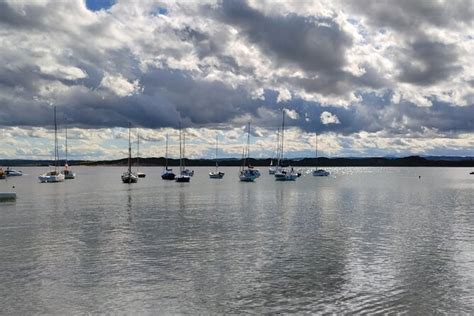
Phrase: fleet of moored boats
[247,173]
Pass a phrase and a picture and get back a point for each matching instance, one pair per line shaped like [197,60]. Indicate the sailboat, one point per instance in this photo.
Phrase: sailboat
[216,174]
[139,174]
[272,169]
[183,176]
[186,171]
[12,173]
[128,176]
[53,175]
[168,173]
[247,174]
[284,174]
[68,173]
[319,172]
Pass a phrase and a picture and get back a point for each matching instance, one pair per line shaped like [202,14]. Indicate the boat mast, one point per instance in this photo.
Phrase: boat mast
[184,149]
[316,150]
[56,151]
[66,140]
[282,134]
[248,144]
[166,153]
[138,149]
[180,152]
[216,150]
[278,147]
[129,149]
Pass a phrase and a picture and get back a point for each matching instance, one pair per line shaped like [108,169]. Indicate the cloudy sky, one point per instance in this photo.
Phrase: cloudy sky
[371,78]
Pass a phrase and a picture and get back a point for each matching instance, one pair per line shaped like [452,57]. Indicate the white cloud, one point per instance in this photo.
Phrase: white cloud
[193,66]
[292,114]
[119,85]
[64,72]
[329,118]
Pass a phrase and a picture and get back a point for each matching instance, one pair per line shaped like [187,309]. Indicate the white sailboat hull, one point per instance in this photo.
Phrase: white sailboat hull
[168,174]
[13,173]
[68,174]
[285,176]
[182,178]
[129,177]
[248,175]
[51,178]
[188,172]
[216,175]
[320,173]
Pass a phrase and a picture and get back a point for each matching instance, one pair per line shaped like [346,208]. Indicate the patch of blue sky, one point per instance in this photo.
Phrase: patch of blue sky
[159,11]
[97,5]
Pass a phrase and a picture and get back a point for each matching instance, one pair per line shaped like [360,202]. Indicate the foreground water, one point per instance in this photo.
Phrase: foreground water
[365,240]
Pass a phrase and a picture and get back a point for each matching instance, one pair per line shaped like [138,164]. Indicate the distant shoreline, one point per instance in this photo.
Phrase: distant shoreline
[411,161]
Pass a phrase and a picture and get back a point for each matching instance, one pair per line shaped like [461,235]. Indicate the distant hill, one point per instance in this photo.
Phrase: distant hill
[411,161]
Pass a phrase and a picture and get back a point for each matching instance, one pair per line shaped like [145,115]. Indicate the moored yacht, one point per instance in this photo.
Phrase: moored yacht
[281,173]
[183,174]
[188,172]
[272,169]
[68,173]
[247,172]
[168,173]
[128,176]
[139,174]
[13,173]
[286,174]
[247,175]
[53,175]
[319,172]
[216,174]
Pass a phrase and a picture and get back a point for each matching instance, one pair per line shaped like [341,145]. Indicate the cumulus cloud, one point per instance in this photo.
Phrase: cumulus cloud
[342,68]
[119,85]
[329,118]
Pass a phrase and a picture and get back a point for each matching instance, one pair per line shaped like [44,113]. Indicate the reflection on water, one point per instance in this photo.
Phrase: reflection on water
[365,240]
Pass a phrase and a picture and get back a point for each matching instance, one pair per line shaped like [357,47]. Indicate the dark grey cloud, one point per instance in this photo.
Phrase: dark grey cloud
[11,17]
[312,43]
[339,82]
[167,98]
[426,62]
[207,45]
[409,16]
[421,58]
[316,45]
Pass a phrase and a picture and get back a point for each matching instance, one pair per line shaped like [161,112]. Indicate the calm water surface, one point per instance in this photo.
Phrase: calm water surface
[364,240]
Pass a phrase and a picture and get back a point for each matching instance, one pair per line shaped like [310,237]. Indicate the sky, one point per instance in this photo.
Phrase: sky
[369,77]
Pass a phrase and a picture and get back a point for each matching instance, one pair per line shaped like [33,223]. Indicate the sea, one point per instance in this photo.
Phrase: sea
[363,240]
